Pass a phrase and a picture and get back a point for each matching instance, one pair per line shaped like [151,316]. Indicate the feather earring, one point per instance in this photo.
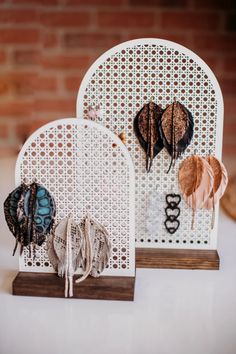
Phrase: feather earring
[11,212]
[96,250]
[176,130]
[29,212]
[147,132]
[64,250]
[219,185]
[195,182]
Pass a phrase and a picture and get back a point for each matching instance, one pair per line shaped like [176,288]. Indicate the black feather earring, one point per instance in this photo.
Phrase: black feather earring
[147,131]
[29,213]
[176,130]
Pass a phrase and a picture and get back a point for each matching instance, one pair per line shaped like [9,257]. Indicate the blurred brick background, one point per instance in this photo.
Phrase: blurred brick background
[47,45]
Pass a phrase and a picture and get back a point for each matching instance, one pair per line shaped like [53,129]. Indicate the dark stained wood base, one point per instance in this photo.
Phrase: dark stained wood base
[177,259]
[50,285]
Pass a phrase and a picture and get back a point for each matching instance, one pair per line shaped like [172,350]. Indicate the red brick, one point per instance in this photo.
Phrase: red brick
[50,40]
[4,86]
[65,18]
[4,130]
[14,108]
[229,106]
[164,3]
[7,150]
[66,62]
[190,20]
[178,38]
[2,57]
[46,84]
[96,2]
[228,86]
[19,35]
[229,149]
[25,56]
[36,2]
[58,104]
[72,83]
[230,64]
[22,83]
[18,16]
[214,4]
[230,129]
[214,42]
[37,123]
[126,19]
[22,131]
[88,40]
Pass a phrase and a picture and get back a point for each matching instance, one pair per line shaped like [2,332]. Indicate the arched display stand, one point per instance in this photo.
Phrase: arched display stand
[114,89]
[88,170]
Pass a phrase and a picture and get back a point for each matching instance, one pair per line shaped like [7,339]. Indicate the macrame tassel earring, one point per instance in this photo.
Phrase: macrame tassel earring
[96,249]
[176,130]
[195,182]
[147,132]
[219,185]
[64,250]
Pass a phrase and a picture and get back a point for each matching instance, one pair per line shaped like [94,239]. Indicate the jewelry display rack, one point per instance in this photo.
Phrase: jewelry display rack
[87,169]
[116,87]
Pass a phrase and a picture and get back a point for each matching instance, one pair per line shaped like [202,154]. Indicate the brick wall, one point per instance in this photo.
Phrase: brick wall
[47,45]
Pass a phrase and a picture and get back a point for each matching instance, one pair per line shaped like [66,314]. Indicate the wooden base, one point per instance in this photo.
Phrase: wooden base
[177,259]
[50,285]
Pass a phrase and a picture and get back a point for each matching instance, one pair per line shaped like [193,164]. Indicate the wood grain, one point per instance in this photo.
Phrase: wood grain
[50,285]
[177,259]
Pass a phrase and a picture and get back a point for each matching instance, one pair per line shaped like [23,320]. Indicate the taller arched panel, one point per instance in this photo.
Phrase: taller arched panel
[120,82]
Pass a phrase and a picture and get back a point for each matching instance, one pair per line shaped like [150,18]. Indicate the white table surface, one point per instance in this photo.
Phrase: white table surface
[175,311]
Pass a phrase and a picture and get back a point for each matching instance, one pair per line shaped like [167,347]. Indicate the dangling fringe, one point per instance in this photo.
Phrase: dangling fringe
[88,251]
[70,268]
[213,215]
[68,265]
[171,162]
[148,164]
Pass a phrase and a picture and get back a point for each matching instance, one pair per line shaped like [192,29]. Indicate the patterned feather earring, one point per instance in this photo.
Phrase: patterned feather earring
[29,213]
[176,130]
[147,132]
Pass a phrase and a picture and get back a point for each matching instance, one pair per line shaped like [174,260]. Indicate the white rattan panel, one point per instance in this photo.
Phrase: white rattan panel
[121,81]
[87,169]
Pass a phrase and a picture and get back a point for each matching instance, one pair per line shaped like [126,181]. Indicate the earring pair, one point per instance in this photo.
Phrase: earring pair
[202,182]
[156,128]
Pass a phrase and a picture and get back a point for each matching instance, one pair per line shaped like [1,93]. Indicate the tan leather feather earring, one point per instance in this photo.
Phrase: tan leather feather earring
[196,182]
[220,183]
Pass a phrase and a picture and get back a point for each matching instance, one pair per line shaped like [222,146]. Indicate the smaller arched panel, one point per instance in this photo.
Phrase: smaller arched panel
[87,169]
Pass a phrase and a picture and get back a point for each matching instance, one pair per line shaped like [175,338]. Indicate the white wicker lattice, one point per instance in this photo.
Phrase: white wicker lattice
[87,169]
[120,82]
